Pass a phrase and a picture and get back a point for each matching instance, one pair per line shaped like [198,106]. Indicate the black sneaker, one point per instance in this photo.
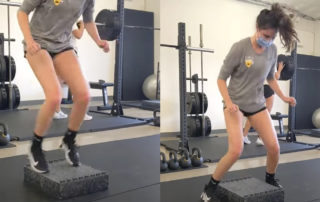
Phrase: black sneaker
[37,160]
[71,152]
[274,182]
[208,193]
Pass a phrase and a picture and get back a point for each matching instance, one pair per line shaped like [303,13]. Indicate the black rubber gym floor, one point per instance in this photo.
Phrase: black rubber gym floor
[133,167]
[309,132]
[146,194]
[301,181]
[213,148]
[7,146]
[21,123]
[153,105]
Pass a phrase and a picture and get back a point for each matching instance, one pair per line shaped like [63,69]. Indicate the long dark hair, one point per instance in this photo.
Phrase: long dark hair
[277,19]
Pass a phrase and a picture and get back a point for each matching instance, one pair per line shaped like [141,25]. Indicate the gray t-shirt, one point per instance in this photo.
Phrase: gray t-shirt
[248,71]
[51,23]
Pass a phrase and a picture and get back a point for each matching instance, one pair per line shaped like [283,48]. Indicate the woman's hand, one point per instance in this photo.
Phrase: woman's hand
[231,107]
[290,100]
[32,47]
[104,45]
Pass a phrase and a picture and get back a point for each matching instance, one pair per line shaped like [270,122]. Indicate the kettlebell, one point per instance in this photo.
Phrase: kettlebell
[185,161]
[4,136]
[173,162]
[196,158]
[163,162]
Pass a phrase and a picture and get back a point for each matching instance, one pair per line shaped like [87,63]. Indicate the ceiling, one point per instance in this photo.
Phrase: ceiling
[309,8]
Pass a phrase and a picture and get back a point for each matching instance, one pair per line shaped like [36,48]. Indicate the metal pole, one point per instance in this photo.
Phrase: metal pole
[189,44]
[207,50]
[142,27]
[132,26]
[182,81]
[293,89]
[9,53]
[201,49]
[158,87]
[202,91]
[117,91]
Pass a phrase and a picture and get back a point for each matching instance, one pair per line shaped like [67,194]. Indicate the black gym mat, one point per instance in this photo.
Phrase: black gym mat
[9,145]
[213,148]
[131,164]
[309,132]
[183,169]
[146,194]
[21,123]
[300,180]
[151,105]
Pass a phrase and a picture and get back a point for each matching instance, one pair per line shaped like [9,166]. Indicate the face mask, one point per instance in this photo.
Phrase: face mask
[264,43]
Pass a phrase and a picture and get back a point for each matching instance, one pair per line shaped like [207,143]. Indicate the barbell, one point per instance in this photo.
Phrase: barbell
[109,25]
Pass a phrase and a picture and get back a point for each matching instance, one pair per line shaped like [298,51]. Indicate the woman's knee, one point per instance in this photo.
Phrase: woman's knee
[235,152]
[274,149]
[53,101]
[82,97]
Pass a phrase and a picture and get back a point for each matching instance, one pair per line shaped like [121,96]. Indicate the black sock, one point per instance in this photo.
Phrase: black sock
[213,182]
[70,135]
[270,176]
[36,141]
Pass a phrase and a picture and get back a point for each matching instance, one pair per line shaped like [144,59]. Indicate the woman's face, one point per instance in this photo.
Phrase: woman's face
[268,34]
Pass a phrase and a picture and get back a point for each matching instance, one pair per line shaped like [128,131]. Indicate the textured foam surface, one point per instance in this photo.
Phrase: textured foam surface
[64,181]
[249,190]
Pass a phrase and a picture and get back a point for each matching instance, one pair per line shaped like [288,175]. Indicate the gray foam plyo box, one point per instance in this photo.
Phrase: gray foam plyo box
[249,189]
[64,181]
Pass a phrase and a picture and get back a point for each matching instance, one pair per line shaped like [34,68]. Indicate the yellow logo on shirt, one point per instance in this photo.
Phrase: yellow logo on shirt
[57,2]
[249,63]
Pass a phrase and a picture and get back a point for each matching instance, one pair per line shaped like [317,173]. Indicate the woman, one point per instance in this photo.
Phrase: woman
[50,54]
[249,63]
[269,96]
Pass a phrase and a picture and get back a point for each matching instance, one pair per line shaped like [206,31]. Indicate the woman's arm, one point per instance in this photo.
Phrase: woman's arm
[222,85]
[280,68]
[93,32]
[78,33]
[23,20]
[275,87]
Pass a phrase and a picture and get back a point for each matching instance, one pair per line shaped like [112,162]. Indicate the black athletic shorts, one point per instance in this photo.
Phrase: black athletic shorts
[268,92]
[247,114]
[52,54]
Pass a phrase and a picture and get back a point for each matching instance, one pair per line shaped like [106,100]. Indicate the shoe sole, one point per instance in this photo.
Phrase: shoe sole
[204,198]
[66,151]
[57,118]
[31,160]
